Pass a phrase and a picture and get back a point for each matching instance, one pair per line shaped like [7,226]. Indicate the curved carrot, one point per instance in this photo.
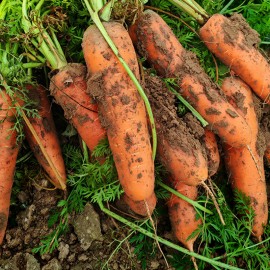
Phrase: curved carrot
[233,42]
[121,108]
[245,165]
[157,43]
[212,152]
[8,155]
[45,129]
[183,215]
[68,86]
[143,208]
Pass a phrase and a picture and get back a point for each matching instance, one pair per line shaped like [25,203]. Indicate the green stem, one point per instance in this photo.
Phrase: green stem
[95,18]
[193,111]
[164,241]
[191,8]
[43,42]
[32,65]
[176,193]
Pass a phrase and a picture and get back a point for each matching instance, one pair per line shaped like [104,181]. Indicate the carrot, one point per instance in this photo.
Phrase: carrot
[234,43]
[121,108]
[183,215]
[143,208]
[68,87]
[45,130]
[8,154]
[68,80]
[212,151]
[157,43]
[245,165]
[178,150]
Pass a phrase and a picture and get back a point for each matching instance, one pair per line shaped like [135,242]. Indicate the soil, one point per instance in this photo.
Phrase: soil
[90,243]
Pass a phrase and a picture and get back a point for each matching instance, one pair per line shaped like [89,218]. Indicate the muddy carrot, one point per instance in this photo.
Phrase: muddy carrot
[245,165]
[178,150]
[234,42]
[121,108]
[157,43]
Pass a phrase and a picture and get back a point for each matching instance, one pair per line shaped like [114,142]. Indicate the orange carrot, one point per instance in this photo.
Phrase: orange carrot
[121,108]
[157,43]
[68,86]
[143,208]
[178,150]
[212,152]
[8,154]
[45,130]
[245,165]
[234,43]
[183,215]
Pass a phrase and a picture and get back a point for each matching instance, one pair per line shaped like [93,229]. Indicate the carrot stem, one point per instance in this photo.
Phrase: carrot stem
[181,196]
[98,23]
[48,46]
[193,111]
[191,8]
[164,241]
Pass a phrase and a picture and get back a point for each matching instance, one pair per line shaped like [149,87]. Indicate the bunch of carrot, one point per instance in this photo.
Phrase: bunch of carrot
[101,100]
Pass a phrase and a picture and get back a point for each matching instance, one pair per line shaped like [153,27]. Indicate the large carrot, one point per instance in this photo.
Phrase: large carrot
[245,165]
[44,127]
[8,154]
[183,215]
[121,108]
[179,151]
[157,43]
[234,43]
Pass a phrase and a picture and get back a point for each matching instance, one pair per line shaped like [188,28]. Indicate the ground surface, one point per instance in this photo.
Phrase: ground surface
[90,243]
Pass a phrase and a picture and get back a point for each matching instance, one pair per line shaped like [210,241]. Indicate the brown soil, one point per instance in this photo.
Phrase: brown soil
[29,225]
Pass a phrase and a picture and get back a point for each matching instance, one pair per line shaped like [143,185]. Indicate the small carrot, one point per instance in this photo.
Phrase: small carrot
[156,42]
[178,150]
[121,108]
[245,165]
[234,42]
[8,155]
[183,215]
[45,130]
[211,146]
[143,208]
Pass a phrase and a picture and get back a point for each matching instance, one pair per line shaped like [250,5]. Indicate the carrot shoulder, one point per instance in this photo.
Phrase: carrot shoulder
[233,42]
[8,156]
[68,86]
[121,108]
[45,129]
[245,165]
[157,43]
